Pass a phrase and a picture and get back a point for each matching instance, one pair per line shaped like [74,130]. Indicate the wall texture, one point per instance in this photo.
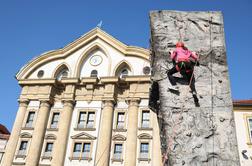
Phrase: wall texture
[197,135]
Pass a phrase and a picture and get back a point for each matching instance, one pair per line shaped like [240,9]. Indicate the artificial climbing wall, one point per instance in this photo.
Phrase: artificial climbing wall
[191,134]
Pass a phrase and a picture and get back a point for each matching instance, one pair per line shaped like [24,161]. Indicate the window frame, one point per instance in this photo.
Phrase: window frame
[80,157]
[55,121]
[116,141]
[123,75]
[49,128]
[23,156]
[60,75]
[141,119]
[94,75]
[87,112]
[28,119]
[143,139]
[116,112]
[24,127]
[246,118]
[49,138]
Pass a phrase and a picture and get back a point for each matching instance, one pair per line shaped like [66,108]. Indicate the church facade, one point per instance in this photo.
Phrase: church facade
[86,104]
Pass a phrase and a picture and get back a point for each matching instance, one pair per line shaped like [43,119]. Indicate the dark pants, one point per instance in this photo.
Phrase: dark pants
[186,70]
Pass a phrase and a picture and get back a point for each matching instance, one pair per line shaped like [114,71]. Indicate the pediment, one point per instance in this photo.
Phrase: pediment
[25,135]
[51,136]
[118,137]
[144,136]
[83,135]
[78,44]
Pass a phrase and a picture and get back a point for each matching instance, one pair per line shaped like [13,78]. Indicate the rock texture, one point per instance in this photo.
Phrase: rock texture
[190,135]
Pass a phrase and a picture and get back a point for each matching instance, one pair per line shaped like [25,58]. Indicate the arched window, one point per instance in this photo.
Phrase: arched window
[124,72]
[94,73]
[62,74]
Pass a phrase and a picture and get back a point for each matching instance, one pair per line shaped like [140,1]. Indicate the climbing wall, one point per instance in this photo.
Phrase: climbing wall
[191,134]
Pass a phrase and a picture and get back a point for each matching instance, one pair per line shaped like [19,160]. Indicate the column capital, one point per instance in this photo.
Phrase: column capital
[133,101]
[23,102]
[45,103]
[108,103]
[69,103]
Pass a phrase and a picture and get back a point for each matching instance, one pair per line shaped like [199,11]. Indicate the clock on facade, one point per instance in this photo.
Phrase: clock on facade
[95,60]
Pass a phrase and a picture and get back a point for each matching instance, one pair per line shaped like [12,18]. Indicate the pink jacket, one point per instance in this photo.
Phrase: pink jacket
[183,55]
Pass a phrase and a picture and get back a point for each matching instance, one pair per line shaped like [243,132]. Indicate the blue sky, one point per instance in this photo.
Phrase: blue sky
[29,28]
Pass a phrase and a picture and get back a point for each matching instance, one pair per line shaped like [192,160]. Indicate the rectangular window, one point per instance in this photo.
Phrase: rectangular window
[118,151]
[77,150]
[48,149]
[30,119]
[86,120]
[250,128]
[144,150]
[55,120]
[90,120]
[86,150]
[23,148]
[82,119]
[145,119]
[120,120]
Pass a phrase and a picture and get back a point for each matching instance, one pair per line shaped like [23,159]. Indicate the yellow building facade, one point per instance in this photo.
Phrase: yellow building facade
[243,122]
[86,104]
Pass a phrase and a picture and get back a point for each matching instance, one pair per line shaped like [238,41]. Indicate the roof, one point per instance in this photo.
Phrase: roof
[242,102]
[4,132]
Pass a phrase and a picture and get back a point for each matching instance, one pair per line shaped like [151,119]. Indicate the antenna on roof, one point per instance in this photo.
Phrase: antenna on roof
[99,25]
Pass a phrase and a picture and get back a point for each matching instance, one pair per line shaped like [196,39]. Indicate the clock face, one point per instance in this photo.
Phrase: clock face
[95,60]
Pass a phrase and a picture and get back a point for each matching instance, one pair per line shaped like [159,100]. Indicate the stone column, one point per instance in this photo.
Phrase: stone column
[38,134]
[105,134]
[132,127]
[59,148]
[12,143]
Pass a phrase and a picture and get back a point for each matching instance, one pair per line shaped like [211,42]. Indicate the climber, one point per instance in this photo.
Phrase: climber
[184,61]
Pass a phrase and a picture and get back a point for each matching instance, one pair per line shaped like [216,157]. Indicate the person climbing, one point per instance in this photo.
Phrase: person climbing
[184,61]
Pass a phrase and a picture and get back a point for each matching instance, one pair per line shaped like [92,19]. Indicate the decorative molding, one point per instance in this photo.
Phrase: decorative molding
[36,81]
[25,135]
[18,163]
[51,136]
[119,137]
[144,136]
[120,66]
[59,68]
[83,135]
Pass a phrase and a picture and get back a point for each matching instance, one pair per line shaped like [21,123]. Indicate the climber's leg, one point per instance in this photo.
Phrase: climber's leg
[170,75]
[191,80]
[172,81]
